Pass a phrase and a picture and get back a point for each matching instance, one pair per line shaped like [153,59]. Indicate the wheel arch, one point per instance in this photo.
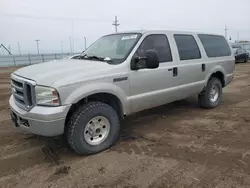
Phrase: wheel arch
[217,73]
[105,97]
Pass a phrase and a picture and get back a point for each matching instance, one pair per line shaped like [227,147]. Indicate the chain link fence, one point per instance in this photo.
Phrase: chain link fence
[29,59]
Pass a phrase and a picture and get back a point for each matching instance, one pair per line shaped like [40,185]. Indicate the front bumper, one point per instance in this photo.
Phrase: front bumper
[40,120]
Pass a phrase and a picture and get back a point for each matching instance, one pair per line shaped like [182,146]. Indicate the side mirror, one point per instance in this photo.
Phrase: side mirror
[150,61]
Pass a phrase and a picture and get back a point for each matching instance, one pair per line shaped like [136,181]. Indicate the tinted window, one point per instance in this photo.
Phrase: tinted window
[215,46]
[159,43]
[187,47]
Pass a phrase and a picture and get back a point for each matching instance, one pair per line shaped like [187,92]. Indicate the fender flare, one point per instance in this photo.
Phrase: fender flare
[95,88]
[214,70]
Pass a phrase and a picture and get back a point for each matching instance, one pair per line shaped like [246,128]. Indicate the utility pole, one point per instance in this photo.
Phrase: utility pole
[19,48]
[62,45]
[238,37]
[85,43]
[70,44]
[116,24]
[73,35]
[37,45]
[226,31]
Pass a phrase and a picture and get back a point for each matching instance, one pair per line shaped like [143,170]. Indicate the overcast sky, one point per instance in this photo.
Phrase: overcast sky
[24,21]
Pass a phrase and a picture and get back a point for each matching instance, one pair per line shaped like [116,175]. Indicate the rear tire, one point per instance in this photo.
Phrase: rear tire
[210,97]
[92,128]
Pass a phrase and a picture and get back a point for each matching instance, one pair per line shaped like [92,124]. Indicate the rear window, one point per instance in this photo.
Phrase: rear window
[215,46]
[187,47]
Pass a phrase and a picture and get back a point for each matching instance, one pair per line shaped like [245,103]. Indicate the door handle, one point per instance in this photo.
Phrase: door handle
[175,71]
[203,67]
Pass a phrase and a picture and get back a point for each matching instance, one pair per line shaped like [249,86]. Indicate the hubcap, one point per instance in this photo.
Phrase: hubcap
[214,93]
[96,130]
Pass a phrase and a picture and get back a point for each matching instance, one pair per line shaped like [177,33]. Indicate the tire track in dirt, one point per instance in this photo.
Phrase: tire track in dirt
[16,163]
[212,156]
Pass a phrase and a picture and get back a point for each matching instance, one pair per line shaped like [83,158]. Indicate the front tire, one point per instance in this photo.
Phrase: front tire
[92,128]
[210,97]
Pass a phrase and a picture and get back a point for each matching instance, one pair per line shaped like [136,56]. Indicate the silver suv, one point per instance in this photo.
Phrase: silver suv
[118,75]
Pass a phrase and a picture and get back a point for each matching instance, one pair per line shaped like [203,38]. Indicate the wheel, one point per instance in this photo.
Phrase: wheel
[94,127]
[210,97]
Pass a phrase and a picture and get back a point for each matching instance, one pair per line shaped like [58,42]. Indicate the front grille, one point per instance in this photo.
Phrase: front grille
[23,92]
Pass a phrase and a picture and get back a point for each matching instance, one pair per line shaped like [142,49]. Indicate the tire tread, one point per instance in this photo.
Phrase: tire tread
[202,98]
[80,111]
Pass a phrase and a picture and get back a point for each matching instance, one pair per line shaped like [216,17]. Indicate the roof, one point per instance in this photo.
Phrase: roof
[166,31]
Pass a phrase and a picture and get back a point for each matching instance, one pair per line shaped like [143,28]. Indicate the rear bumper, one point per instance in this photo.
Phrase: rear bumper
[45,121]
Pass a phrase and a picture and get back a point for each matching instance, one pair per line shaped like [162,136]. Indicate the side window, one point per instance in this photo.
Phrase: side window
[214,45]
[159,43]
[187,47]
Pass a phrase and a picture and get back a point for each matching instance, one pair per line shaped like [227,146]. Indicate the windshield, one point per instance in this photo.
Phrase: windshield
[114,48]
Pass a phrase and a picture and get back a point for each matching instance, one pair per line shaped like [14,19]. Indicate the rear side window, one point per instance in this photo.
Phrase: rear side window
[187,47]
[215,46]
[159,43]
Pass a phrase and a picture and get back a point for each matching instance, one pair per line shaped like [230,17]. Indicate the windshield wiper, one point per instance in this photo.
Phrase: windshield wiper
[85,56]
[94,57]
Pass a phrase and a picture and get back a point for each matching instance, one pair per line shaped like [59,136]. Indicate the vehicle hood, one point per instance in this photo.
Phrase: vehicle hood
[47,73]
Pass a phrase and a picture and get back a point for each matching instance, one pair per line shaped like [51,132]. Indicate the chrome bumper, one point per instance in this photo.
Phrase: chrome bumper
[40,120]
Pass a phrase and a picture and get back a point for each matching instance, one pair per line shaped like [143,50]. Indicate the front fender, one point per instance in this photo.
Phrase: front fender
[94,88]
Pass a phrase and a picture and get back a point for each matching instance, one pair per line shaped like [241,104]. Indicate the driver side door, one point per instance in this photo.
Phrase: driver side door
[153,87]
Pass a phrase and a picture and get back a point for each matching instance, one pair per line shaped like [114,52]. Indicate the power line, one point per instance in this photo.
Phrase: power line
[52,18]
[126,22]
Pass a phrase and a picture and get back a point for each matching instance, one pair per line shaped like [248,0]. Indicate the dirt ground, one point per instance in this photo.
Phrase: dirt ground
[175,145]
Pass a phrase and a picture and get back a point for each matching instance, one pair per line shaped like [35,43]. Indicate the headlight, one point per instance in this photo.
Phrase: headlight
[47,96]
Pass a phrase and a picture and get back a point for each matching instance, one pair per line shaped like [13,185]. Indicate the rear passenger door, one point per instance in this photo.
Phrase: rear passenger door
[191,66]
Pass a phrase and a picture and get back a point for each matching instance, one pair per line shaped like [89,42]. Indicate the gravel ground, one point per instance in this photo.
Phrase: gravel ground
[175,145]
